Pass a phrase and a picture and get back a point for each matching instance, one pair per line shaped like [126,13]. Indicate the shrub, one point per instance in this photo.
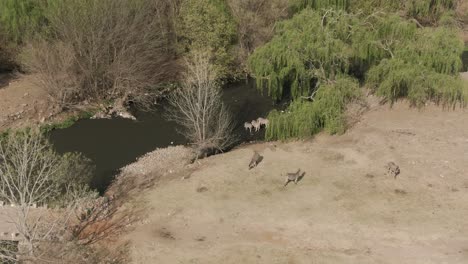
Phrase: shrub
[198,107]
[255,21]
[304,118]
[207,25]
[21,19]
[102,50]
[305,49]
[320,4]
[423,70]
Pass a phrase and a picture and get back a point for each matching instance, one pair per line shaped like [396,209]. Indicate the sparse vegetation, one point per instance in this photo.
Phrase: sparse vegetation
[31,173]
[101,50]
[198,108]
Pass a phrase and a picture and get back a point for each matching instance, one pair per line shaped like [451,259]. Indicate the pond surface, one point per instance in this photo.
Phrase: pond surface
[114,143]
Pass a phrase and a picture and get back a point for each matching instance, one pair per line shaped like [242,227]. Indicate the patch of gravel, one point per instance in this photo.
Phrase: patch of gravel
[162,160]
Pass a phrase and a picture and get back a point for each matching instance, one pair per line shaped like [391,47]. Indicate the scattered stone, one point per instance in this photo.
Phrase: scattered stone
[166,234]
[161,160]
[126,115]
[200,239]
[392,169]
[202,189]
[400,191]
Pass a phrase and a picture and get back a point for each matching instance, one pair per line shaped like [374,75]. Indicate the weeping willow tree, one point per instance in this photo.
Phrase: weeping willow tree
[425,69]
[396,78]
[303,118]
[428,11]
[379,36]
[310,47]
[397,56]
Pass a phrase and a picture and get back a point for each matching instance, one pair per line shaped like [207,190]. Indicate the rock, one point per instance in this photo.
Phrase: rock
[26,94]
[101,115]
[126,115]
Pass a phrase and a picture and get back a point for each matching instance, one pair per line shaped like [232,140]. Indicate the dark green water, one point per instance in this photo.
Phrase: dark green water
[114,143]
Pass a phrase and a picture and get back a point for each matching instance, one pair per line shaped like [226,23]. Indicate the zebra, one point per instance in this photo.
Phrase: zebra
[263,121]
[248,126]
[293,177]
[256,125]
[256,159]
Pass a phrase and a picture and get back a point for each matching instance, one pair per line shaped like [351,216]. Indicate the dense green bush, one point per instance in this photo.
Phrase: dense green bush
[207,25]
[304,118]
[20,19]
[423,69]
[396,55]
[305,49]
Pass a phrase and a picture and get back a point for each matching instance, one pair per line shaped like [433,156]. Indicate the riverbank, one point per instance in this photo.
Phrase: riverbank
[25,104]
[344,210]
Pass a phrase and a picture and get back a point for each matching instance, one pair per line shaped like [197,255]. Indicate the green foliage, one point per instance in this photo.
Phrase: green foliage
[303,118]
[314,47]
[307,47]
[379,36]
[207,25]
[423,69]
[298,5]
[20,19]
[396,78]
[31,165]
[67,122]
[428,10]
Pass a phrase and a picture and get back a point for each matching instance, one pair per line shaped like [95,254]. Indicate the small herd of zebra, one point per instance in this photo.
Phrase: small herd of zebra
[256,124]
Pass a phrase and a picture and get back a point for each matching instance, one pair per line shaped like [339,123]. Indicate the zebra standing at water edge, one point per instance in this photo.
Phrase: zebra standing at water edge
[263,121]
[256,125]
[248,126]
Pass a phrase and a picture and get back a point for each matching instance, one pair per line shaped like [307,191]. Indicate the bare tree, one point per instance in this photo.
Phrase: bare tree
[255,22]
[197,106]
[32,177]
[103,50]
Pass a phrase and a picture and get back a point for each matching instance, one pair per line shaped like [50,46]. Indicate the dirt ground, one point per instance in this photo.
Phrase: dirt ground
[22,102]
[344,210]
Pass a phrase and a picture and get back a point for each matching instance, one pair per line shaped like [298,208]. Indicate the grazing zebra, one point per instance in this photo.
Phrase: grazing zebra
[263,121]
[248,126]
[256,159]
[292,177]
[256,125]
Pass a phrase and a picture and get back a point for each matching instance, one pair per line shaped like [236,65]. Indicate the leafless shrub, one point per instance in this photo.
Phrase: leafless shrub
[103,50]
[255,22]
[32,175]
[197,106]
